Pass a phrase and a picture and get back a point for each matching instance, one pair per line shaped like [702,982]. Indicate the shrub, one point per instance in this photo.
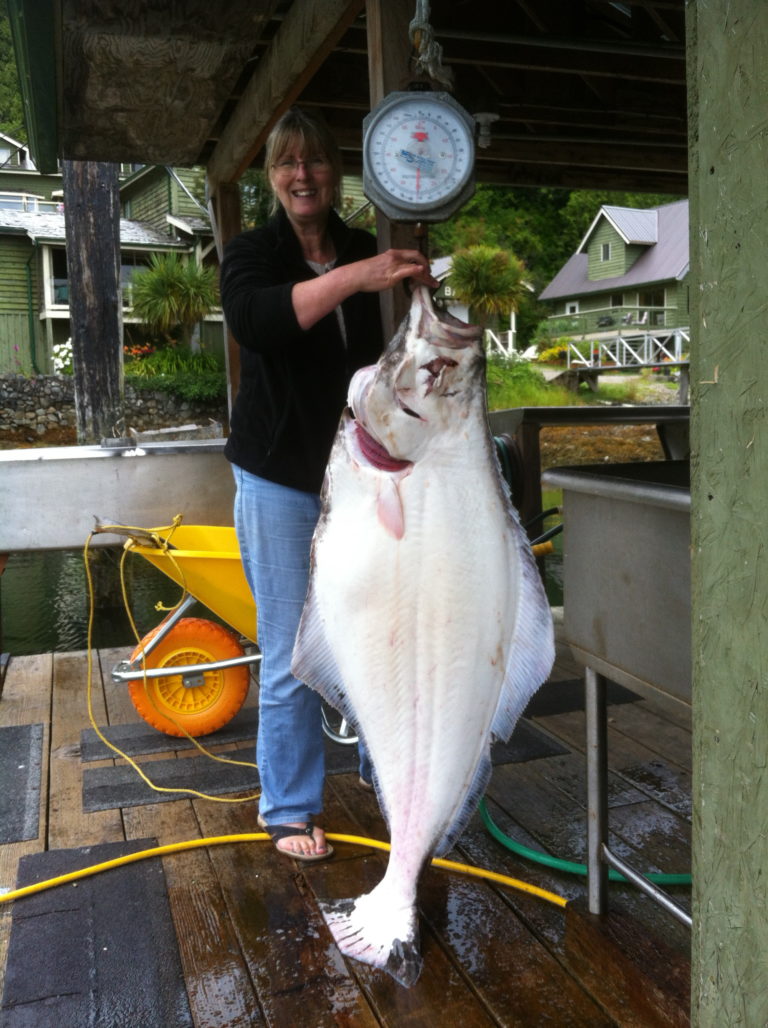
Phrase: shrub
[518,383]
[190,376]
[554,354]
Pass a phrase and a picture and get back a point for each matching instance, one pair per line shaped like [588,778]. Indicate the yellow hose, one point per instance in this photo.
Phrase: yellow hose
[217,840]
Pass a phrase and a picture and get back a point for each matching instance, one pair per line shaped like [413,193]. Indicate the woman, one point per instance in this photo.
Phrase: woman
[300,296]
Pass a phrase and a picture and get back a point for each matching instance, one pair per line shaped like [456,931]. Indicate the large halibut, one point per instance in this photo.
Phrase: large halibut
[426,624]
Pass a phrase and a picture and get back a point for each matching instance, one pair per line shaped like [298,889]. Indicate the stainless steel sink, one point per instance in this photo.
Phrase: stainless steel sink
[626,572]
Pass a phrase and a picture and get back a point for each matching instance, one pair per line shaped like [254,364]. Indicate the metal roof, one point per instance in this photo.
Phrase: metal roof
[663,261]
[633,225]
[49,227]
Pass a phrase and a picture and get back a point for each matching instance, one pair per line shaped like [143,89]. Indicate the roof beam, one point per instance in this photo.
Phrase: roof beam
[304,40]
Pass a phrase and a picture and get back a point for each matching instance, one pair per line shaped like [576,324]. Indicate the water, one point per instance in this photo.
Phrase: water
[44,599]
[44,602]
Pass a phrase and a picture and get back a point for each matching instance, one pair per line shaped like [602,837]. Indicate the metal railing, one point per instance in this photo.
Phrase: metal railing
[633,350]
[608,319]
[499,342]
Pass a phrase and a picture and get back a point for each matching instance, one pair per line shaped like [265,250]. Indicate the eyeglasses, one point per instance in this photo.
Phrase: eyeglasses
[288,165]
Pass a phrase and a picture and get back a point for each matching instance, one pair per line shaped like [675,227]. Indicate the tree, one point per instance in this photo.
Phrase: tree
[488,280]
[173,295]
[11,108]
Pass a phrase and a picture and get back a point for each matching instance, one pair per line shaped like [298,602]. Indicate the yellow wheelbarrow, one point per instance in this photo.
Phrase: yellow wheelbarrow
[191,675]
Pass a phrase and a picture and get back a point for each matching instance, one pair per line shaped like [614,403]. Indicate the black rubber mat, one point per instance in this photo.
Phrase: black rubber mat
[105,788]
[86,953]
[139,738]
[526,743]
[21,754]
[567,695]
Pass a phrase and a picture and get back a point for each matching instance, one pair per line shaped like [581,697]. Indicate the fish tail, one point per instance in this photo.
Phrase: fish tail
[366,930]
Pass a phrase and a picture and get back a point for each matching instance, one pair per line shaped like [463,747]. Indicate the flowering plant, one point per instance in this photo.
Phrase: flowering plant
[136,351]
[62,358]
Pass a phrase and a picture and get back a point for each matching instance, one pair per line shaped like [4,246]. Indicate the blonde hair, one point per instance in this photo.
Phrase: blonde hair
[311,136]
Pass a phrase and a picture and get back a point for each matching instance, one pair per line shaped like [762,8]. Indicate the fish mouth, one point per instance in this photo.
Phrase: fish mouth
[444,329]
[368,450]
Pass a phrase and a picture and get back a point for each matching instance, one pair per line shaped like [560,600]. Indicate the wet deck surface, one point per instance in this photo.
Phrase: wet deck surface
[246,944]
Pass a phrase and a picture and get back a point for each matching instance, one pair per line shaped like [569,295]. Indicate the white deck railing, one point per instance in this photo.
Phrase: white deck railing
[503,342]
[634,350]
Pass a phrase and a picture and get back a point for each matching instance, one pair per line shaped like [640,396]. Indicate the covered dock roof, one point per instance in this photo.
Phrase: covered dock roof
[580,94]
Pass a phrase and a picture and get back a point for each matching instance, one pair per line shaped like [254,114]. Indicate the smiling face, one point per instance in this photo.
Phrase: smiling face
[304,182]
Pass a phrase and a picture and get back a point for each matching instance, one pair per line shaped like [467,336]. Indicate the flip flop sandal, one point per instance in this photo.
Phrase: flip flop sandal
[278,832]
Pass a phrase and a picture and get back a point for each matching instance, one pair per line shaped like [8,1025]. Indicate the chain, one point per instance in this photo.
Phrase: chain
[429,58]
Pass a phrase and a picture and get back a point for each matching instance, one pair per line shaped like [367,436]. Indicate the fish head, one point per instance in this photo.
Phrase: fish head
[430,379]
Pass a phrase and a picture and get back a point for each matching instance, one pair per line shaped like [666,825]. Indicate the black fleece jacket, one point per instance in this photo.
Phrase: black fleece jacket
[293,382]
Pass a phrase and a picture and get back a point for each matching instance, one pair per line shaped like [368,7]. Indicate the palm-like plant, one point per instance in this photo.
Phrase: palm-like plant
[173,294]
[488,280]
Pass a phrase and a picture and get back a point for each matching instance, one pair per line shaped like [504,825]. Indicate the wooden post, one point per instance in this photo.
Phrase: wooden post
[92,224]
[389,54]
[728,98]
[224,206]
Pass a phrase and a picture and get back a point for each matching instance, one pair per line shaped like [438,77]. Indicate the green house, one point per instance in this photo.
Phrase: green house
[159,215]
[629,275]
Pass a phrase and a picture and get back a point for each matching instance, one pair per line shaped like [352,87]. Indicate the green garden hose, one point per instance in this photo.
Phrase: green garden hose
[566,865]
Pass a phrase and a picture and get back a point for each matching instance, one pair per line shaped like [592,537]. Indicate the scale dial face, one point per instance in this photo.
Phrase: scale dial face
[418,156]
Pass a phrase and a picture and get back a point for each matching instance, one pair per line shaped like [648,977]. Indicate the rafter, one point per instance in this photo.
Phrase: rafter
[304,40]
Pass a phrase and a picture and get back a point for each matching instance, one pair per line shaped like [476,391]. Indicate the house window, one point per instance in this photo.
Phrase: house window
[617,300]
[652,306]
[60,276]
[572,307]
[605,252]
[129,264]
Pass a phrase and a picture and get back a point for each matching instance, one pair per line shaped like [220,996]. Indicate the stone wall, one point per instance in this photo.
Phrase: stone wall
[33,408]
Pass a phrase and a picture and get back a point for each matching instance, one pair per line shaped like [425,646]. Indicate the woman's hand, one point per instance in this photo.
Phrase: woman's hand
[316,297]
[386,269]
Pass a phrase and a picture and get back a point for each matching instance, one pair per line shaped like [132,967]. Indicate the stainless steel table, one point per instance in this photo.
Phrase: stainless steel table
[626,617]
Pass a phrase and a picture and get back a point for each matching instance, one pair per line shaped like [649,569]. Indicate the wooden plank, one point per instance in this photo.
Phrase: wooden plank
[660,737]
[730,645]
[560,819]
[556,825]
[642,982]
[250,934]
[670,786]
[118,706]
[218,985]
[441,993]
[281,934]
[226,219]
[92,223]
[68,825]
[389,51]
[488,946]
[307,35]
[26,698]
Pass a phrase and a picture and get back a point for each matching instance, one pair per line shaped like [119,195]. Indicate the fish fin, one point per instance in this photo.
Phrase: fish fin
[365,930]
[389,507]
[532,649]
[313,661]
[473,797]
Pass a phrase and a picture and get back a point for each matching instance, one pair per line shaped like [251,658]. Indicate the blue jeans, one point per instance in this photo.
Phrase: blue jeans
[274,526]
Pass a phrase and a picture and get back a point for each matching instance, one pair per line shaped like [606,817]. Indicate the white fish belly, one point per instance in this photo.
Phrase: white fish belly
[420,628]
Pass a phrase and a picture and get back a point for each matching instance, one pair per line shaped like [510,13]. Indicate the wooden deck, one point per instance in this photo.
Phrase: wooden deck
[253,948]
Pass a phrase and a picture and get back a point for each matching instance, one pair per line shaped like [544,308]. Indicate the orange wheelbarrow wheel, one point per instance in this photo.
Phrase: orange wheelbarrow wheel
[175,708]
